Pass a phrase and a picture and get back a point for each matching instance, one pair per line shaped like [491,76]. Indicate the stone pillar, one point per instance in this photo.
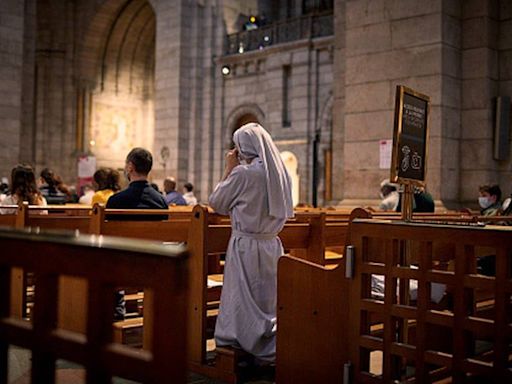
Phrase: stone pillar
[389,43]
[11,70]
[479,88]
[338,119]
[505,83]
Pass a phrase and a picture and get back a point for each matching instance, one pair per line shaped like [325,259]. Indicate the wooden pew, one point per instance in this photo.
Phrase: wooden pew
[336,313]
[205,236]
[104,263]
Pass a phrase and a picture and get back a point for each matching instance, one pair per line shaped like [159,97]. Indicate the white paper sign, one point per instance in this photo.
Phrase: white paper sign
[385,147]
[86,166]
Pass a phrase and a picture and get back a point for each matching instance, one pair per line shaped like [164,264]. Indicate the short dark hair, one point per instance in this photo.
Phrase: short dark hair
[189,187]
[493,190]
[141,159]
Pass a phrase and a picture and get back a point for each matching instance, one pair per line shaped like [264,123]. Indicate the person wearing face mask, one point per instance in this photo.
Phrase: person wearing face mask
[138,195]
[255,191]
[489,200]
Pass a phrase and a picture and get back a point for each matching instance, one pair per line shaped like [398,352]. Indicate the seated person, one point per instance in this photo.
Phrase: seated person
[490,199]
[107,181]
[422,201]
[52,187]
[189,197]
[139,194]
[172,197]
[389,195]
[88,193]
[23,188]
[490,204]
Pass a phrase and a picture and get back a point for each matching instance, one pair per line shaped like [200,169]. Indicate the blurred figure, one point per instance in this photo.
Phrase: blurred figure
[172,197]
[422,201]
[155,187]
[107,182]
[489,199]
[23,188]
[389,195]
[189,197]
[86,198]
[52,188]
[4,188]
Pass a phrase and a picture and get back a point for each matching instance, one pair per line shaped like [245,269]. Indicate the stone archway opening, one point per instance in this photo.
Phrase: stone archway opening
[121,99]
[245,119]
[292,166]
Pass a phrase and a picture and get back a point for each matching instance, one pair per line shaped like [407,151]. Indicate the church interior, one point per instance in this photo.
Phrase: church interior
[386,124]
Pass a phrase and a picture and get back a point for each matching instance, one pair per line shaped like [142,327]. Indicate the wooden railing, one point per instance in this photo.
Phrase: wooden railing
[105,263]
[332,326]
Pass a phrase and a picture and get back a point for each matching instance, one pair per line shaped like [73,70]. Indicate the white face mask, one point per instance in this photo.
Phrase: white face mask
[484,202]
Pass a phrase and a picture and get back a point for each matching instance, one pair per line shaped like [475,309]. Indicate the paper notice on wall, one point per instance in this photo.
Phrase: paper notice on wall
[86,166]
[385,147]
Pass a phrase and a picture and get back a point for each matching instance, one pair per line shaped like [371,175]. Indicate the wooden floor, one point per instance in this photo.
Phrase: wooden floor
[70,373]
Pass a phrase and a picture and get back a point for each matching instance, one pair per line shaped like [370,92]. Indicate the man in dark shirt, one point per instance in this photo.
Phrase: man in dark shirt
[139,194]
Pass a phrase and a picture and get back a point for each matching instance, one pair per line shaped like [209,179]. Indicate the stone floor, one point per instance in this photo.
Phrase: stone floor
[70,373]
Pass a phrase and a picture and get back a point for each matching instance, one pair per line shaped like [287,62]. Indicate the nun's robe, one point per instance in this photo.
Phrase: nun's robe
[247,314]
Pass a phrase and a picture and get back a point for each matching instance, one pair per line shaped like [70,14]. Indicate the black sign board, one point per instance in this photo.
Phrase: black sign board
[409,158]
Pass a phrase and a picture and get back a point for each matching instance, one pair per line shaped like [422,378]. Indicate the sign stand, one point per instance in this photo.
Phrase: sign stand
[407,202]
[408,167]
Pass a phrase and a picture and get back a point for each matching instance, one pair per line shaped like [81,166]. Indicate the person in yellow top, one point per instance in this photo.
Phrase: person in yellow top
[107,181]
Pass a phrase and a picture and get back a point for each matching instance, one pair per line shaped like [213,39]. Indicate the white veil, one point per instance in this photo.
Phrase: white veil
[252,140]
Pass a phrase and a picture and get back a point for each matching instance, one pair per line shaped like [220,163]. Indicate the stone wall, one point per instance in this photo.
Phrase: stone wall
[11,73]
[255,86]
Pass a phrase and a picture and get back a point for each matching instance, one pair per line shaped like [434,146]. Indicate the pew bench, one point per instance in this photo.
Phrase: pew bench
[337,334]
[104,263]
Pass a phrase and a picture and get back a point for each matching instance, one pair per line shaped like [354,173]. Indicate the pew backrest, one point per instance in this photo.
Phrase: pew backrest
[105,264]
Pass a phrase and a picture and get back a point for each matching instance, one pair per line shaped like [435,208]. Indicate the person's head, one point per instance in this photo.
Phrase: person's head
[188,187]
[386,187]
[248,140]
[23,184]
[48,177]
[169,184]
[489,195]
[107,178]
[138,164]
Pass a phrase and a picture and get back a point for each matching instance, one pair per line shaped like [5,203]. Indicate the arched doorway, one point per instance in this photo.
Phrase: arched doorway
[243,114]
[292,166]
[122,94]
[245,119]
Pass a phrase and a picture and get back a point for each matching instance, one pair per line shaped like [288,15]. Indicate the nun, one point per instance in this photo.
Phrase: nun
[255,191]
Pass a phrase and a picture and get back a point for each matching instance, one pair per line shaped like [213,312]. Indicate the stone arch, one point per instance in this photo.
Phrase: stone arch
[324,121]
[117,73]
[292,166]
[242,114]
[99,33]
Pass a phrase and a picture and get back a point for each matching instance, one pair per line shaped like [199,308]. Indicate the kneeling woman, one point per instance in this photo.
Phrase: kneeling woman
[256,192]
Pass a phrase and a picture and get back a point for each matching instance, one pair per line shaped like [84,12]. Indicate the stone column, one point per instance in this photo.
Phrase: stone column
[479,88]
[389,43]
[338,120]
[11,70]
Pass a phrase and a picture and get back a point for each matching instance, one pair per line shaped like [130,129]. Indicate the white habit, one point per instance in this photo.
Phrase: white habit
[247,315]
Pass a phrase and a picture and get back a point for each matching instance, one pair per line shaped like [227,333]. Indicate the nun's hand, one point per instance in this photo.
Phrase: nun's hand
[231,162]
